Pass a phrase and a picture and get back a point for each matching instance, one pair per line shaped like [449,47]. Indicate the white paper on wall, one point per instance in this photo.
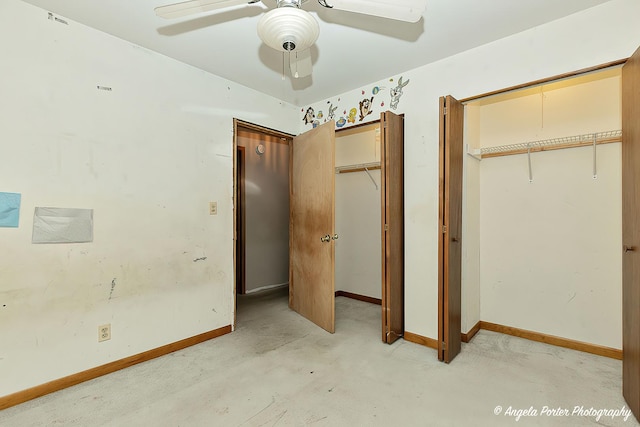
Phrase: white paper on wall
[62,225]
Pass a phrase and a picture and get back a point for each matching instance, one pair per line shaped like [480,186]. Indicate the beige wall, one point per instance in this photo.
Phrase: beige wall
[148,157]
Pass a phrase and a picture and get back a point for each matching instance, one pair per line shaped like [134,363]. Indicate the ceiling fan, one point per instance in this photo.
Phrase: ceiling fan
[290,29]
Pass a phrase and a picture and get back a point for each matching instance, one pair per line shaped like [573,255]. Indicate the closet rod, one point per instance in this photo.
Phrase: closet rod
[362,167]
[553,144]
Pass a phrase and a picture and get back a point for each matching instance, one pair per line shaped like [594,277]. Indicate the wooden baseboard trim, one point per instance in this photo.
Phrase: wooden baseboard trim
[472,332]
[419,339]
[359,297]
[71,380]
[553,340]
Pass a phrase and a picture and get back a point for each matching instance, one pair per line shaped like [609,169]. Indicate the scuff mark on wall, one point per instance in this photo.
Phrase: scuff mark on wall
[200,259]
[113,286]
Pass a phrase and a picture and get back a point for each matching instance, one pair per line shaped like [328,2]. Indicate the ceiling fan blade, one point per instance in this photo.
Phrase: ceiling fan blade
[401,10]
[186,8]
[300,63]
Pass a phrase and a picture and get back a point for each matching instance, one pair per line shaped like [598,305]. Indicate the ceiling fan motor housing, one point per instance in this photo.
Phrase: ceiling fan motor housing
[288,28]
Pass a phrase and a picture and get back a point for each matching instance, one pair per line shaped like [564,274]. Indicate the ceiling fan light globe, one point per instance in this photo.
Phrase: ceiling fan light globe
[288,28]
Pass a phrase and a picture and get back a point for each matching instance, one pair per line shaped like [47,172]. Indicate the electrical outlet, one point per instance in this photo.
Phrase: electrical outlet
[213,208]
[104,332]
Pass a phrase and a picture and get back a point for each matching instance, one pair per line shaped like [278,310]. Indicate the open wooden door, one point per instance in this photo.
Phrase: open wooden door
[450,240]
[311,226]
[631,233]
[392,194]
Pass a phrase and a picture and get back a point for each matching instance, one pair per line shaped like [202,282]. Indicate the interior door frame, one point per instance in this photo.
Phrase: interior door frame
[240,222]
[238,123]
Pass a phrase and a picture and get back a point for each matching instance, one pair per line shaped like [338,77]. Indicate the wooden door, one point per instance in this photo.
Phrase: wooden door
[311,226]
[631,233]
[450,228]
[392,194]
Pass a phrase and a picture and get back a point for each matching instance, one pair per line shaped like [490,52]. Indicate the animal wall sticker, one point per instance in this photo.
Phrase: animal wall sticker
[396,93]
[309,116]
[366,108]
[332,111]
[351,118]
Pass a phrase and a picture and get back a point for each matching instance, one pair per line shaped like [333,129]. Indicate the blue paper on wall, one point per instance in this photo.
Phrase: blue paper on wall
[9,209]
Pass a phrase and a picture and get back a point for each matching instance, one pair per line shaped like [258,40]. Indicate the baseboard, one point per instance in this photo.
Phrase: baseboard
[419,339]
[432,343]
[522,333]
[553,340]
[359,297]
[71,380]
[472,332]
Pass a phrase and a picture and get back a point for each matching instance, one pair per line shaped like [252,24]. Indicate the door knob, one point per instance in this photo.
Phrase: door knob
[629,248]
[325,239]
[334,237]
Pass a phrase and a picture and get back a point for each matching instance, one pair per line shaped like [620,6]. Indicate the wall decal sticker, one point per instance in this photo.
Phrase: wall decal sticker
[375,90]
[366,108]
[352,115]
[396,93]
[332,111]
[341,122]
[309,116]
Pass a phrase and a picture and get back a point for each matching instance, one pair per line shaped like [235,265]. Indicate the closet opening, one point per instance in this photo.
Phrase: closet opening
[541,206]
[315,233]
[358,214]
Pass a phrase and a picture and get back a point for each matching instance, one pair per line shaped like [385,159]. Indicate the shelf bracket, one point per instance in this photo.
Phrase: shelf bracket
[370,177]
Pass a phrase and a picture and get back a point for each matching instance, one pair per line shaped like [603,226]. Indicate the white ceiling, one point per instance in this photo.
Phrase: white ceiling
[352,50]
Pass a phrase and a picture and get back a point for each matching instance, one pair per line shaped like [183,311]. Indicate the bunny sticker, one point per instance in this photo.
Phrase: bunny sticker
[396,93]
[332,111]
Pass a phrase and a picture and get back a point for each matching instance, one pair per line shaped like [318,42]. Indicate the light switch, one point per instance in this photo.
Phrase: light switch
[213,208]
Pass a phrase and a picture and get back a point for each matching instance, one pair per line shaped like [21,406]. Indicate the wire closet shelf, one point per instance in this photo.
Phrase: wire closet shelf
[553,143]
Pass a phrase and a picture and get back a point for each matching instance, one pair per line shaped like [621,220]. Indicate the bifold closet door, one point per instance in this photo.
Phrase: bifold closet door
[631,232]
[392,195]
[312,226]
[450,232]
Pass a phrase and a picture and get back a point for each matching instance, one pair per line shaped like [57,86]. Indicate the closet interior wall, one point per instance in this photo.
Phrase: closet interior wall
[358,212]
[544,254]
